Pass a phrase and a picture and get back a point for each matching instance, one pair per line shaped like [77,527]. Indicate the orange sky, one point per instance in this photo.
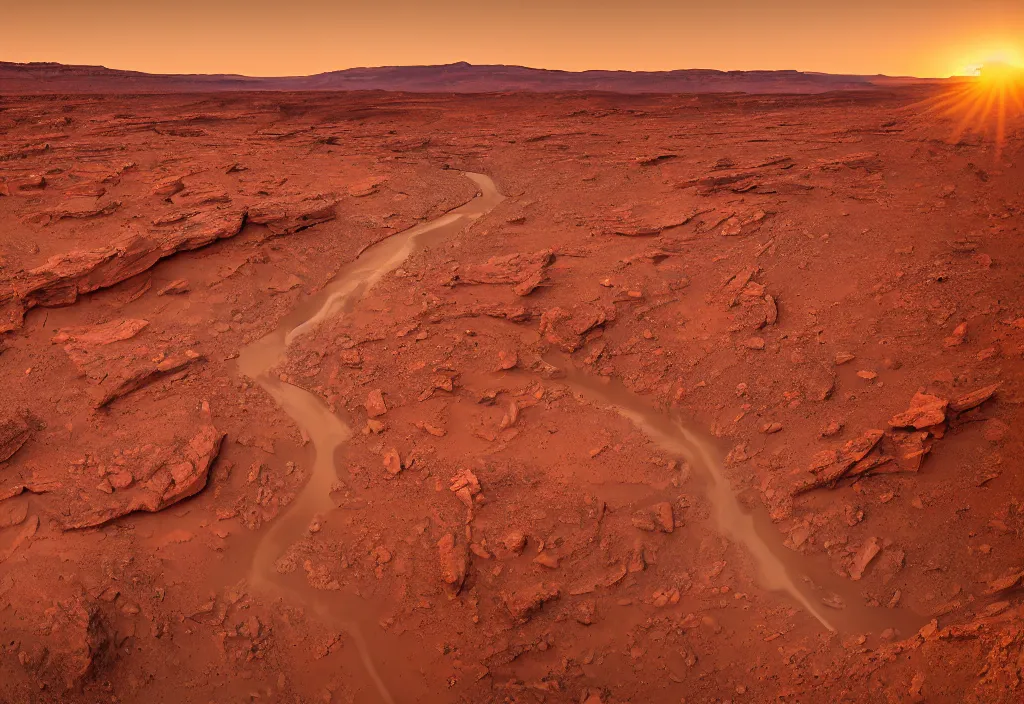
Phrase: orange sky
[298,37]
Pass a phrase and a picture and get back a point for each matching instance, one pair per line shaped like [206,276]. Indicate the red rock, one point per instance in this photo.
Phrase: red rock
[867,375]
[465,497]
[143,374]
[738,282]
[771,428]
[546,559]
[820,383]
[514,542]
[567,329]
[864,556]
[375,406]
[844,357]
[507,360]
[79,644]
[289,215]
[350,358]
[832,429]
[616,576]
[381,555]
[858,448]
[177,536]
[754,343]
[637,560]
[202,197]
[870,465]
[392,462]
[1008,581]
[585,612]
[924,410]
[84,208]
[465,479]
[663,516]
[625,224]
[957,338]
[656,159]
[833,465]
[174,474]
[431,428]
[28,183]
[121,480]
[409,144]
[168,188]
[363,188]
[454,562]
[511,417]
[178,286]
[634,230]
[753,290]
[973,399]
[525,271]
[911,449]
[61,279]
[97,335]
[644,520]
[771,315]
[14,432]
[522,604]
[732,227]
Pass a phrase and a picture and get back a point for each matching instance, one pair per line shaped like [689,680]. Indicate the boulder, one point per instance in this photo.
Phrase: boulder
[289,215]
[925,410]
[524,271]
[522,604]
[164,475]
[973,399]
[454,561]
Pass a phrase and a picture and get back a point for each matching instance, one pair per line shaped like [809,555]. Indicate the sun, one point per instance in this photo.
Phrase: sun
[983,103]
[998,74]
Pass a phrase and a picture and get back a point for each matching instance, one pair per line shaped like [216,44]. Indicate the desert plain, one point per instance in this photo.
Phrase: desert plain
[569,397]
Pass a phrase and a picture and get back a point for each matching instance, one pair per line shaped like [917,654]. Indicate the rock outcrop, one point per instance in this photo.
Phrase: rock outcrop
[158,477]
[63,278]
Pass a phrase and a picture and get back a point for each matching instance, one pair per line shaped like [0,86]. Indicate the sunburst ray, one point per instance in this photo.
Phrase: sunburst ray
[987,106]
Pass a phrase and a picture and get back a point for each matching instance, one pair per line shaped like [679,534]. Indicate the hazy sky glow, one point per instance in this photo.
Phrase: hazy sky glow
[299,37]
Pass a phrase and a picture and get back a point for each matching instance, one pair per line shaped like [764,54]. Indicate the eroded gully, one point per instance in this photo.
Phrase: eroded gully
[324,429]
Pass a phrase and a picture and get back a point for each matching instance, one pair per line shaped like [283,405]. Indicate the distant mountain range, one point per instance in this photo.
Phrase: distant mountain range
[449,78]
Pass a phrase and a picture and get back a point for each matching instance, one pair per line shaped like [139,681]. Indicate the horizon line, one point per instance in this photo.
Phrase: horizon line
[486,65]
